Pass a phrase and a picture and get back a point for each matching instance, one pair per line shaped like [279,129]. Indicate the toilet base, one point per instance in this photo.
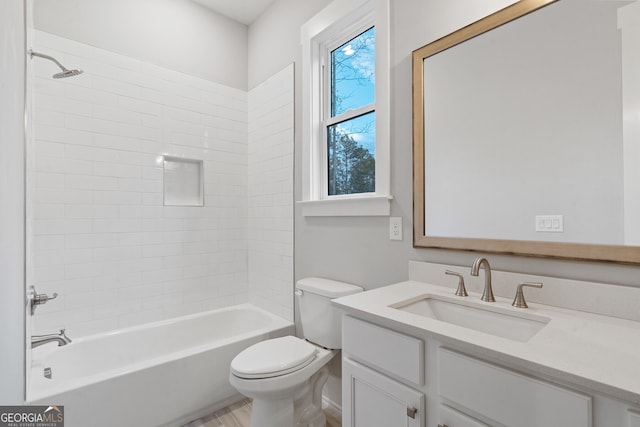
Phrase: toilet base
[302,409]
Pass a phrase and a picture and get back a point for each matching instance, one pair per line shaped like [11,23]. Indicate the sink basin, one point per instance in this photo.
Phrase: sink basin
[481,317]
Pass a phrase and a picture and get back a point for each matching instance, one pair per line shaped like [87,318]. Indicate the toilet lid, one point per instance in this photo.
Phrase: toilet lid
[271,358]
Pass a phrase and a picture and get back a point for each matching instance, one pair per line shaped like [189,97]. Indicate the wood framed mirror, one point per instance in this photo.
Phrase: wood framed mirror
[526,133]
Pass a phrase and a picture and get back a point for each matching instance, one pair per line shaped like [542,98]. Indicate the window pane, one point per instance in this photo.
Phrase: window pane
[352,156]
[353,73]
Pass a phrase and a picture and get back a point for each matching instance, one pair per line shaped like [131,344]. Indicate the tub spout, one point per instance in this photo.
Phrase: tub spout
[61,339]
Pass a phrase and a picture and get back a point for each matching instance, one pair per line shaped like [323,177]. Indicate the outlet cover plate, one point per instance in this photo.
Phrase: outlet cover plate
[395,228]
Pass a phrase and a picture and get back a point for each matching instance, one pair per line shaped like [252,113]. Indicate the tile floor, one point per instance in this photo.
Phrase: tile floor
[238,415]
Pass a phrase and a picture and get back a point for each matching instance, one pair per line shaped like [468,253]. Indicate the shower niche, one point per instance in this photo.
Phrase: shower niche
[183,182]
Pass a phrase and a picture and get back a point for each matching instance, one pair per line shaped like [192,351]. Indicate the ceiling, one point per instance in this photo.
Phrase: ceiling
[244,11]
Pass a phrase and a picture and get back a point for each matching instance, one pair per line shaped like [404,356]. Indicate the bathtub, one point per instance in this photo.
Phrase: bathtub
[164,373]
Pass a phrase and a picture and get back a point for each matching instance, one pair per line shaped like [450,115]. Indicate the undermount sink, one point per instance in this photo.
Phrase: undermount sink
[479,316]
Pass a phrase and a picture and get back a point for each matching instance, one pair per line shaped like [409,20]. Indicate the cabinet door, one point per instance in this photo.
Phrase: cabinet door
[371,399]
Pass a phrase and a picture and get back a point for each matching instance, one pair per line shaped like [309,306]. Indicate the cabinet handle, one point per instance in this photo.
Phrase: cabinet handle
[411,412]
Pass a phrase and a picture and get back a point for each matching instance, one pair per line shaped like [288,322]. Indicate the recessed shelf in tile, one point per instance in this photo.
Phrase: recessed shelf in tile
[183,182]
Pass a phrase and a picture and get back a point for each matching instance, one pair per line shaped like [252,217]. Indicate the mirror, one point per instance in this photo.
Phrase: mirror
[527,133]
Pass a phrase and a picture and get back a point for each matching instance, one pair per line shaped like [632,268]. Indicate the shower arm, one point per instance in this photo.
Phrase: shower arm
[50,58]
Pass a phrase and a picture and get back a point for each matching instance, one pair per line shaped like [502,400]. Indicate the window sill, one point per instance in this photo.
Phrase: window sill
[351,206]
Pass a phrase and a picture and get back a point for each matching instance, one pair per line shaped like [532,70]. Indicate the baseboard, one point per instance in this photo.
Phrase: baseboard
[332,408]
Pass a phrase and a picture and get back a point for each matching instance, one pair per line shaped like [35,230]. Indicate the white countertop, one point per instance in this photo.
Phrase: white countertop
[593,351]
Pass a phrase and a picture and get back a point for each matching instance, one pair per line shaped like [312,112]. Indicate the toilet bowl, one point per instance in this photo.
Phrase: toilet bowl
[285,376]
[288,393]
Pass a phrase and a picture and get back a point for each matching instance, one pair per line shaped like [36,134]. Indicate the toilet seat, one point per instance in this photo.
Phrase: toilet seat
[274,357]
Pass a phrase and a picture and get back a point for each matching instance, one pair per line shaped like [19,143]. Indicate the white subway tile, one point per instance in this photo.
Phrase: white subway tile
[116,115]
[47,243]
[117,170]
[152,199]
[129,239]
[115,234]
[49,180]
[117,225]
[48,273]
[116,198]
[88,182]
[115,142]
[48,211]
[83,270]
[129,103]
[61,226]
[140,317]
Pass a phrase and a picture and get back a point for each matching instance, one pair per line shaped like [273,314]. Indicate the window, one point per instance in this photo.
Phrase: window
[345,111]
[349,125]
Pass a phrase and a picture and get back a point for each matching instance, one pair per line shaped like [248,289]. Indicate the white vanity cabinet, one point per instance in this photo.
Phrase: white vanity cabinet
[399,378]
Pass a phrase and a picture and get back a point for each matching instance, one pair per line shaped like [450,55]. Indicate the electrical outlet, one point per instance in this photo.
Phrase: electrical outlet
[549,223]
[395,228]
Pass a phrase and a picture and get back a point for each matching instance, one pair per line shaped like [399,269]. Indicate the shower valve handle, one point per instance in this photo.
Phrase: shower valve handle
[36,299]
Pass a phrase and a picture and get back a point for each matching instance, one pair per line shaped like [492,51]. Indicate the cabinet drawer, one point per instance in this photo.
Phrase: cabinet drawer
[393,352]
[507,397]
[449,417]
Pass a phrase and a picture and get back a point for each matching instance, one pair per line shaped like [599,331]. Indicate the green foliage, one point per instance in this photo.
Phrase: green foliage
[351,167]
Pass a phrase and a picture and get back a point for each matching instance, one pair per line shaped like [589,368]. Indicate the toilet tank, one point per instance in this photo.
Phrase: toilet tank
[322,322]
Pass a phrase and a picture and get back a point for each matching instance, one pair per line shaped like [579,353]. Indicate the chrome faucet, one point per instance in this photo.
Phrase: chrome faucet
[487,294]
[61,338]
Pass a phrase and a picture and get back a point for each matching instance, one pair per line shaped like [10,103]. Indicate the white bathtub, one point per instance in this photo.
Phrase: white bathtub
[160,374]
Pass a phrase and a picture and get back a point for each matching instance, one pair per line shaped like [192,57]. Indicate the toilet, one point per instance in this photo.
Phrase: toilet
[284,376]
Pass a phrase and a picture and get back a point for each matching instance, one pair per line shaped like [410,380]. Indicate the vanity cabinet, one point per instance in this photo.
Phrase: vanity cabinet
[393,378]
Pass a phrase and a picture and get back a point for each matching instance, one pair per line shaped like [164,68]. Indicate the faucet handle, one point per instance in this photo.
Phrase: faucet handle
[461,291]
[519,301]
[35,299]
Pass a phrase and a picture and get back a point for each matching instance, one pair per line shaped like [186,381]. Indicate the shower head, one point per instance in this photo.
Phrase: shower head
[65,72]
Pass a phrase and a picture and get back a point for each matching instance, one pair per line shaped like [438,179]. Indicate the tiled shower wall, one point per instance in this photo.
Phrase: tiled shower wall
[100,236]
[270,235]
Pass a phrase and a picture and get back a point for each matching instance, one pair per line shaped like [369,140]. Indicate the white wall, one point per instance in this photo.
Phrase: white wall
[270,229]
[210,46]
[12,292]
[358,250]
[274,39]
[102,238]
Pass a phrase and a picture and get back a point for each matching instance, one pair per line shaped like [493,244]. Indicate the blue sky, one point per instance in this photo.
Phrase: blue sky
[354,85]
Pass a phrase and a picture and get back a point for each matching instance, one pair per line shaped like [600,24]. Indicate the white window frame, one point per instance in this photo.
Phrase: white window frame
[337,23]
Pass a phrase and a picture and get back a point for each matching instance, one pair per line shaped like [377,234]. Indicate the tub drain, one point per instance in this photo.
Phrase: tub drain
[47,373]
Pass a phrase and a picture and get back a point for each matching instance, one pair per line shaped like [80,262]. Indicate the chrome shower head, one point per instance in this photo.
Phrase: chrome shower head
[65,72]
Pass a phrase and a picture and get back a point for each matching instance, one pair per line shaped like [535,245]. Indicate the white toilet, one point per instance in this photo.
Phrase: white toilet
[284,376]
